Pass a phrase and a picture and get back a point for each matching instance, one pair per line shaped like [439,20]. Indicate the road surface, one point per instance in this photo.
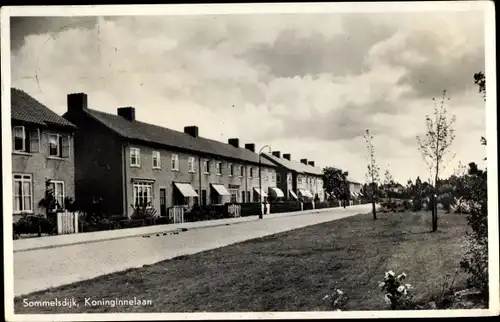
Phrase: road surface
[41,269]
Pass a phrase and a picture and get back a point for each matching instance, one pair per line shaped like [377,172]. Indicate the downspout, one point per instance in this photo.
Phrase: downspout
[200,195]
[125,181]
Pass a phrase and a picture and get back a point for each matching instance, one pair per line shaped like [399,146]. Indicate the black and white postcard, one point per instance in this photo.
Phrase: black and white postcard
[250,161]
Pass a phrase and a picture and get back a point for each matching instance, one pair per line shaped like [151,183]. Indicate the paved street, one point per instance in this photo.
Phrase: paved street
[44,268]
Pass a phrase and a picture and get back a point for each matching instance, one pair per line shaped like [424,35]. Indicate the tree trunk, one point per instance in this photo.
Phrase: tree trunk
[374,211]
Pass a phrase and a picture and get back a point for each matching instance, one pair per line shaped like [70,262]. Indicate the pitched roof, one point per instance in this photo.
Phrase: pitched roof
[27,109]
[150,133]
[295,165]
[352,180]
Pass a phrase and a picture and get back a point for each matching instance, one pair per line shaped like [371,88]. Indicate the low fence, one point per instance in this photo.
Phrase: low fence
[176,214]
[67,222]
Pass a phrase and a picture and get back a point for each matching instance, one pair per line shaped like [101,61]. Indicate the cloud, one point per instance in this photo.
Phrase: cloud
[295,54]
[310,84]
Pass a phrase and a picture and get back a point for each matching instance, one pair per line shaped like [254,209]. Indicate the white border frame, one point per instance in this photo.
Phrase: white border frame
[119,10]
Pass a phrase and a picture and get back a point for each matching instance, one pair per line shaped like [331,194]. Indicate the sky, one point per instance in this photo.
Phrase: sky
[305,84]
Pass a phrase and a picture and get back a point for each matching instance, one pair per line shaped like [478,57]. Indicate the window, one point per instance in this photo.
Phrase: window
[22,193]
[156,160]
[58,191]
[250,172]
[206,166]
[278,178]
[135,157]
[234,195]
[143,194]
[299,180]
[248,196]
[191,165]
[58,145]
[175,162]
[243,196]
[231,170]
[219,168]
[265,174]
[273,176]
[19,137]
[242,171]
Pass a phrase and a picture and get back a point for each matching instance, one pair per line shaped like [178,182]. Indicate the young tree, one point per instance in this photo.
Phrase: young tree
[373,170]
[388,184]
[436,145]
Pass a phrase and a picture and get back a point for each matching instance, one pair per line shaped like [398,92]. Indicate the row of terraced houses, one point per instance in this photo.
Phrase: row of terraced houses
[87,154]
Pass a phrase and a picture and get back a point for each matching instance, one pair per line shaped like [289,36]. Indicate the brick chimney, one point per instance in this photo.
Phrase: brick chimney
[304,161]
[250,146]
[127,113]
[234,142]
[277,154]
[287,156]
[191,130]
[77,102]
[311,163]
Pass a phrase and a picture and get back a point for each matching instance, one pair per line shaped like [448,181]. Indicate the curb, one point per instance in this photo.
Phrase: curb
[156,230]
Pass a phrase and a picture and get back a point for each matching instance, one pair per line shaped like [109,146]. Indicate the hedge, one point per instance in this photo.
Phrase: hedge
[286,206]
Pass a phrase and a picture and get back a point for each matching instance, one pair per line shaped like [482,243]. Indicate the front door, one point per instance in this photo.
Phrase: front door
[163,202]
[203,197]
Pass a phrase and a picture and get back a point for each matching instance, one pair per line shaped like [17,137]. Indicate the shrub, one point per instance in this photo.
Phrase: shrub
[34,224]
[144,211]
[250,209]
[407,204]
[398,295]
[286,206]
[447,201]
[417,204]
[338,300]
[475,261]
[307,206]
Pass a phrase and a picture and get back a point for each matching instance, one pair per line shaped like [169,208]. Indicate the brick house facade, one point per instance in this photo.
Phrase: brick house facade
[303,180]
[42,148]
[127,162]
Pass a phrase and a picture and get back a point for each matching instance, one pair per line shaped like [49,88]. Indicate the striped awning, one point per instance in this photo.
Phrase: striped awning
[261,192]
[221,190]
[305,193]
[186,189]
[276,192]
[293,194]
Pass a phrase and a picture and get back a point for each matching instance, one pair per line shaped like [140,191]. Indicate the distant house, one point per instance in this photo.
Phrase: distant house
[298,180]
[355,188]
[42,149]
[128,163]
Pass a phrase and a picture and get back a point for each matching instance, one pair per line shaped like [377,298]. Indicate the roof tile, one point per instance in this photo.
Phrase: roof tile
[27,109]
[152,133]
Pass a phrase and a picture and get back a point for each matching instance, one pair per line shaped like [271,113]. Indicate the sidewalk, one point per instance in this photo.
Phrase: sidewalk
[27,244]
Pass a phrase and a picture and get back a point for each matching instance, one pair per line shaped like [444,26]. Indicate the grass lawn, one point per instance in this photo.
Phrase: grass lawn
[290,271]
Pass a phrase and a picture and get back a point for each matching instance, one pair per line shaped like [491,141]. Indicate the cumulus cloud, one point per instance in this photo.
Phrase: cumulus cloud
[309,84]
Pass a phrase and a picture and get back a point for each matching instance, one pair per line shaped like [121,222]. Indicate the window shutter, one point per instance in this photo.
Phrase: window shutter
[34,140]
[65,146]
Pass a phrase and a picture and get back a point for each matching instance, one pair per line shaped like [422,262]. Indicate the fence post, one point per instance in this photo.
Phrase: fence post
[59,223]
[76,222]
